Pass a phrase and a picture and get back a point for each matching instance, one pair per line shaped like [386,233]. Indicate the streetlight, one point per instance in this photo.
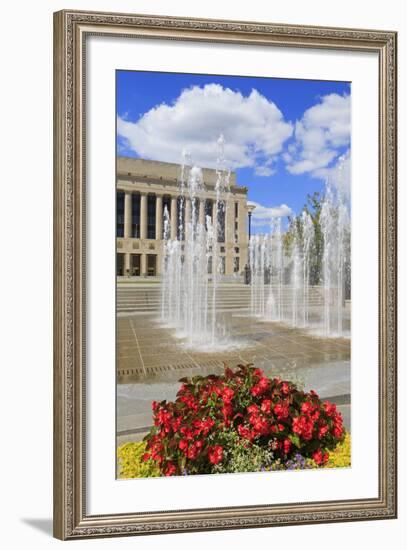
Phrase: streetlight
[250,207]
[247,275]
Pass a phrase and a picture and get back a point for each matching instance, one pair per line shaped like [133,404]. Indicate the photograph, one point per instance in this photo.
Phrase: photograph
[233,274]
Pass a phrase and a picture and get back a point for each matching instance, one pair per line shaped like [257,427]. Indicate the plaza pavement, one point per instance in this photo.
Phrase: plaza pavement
[151,359]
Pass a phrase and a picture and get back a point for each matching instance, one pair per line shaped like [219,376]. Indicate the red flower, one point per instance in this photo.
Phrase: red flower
[183,445]
[245,432]
[259,373]
[286,446]
[323,430]
[215,454]
[253,409]
[170,469]
[215,389]
[260,425]
[227,395]
[337,432]
[257,408]
[189,401]
[303,426]
[281,410]
[176,423]
[255,390]
[203,426]
[187,432]
[227,411]
[285,388]
[320,457]
[192,452]
[307,407]
[330,408]
[162,418]
[264,384]
[261,387]
[182,389]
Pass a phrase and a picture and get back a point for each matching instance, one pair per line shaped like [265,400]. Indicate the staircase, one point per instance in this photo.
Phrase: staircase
[145,298]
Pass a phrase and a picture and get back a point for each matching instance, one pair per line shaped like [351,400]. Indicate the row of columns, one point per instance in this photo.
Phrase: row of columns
[128,215]
[229,224]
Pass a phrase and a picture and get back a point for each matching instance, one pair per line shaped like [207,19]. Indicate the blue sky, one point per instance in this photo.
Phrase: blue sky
[283,137]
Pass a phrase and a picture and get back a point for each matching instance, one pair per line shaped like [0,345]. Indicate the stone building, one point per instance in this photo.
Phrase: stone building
[144,189]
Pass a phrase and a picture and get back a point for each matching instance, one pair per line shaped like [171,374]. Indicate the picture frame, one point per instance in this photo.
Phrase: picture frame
[72,29]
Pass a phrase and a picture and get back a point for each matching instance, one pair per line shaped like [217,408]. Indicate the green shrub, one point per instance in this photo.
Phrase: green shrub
[238,459]
[340,457]
[130,463]
[239,456]
[219,423]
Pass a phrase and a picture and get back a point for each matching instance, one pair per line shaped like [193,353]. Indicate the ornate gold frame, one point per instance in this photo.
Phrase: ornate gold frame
[70,31]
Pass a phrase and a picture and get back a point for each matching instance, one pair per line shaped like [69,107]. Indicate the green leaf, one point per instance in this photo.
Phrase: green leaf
[295,440]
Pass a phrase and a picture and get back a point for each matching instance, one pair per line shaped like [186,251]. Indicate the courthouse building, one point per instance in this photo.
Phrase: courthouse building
[144,189]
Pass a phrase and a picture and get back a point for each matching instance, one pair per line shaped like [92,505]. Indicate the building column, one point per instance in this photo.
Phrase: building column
[158,217]
[188,213]
[229,222]
[174,218]
[242,233]
[201,218]
[229,236]
[127,214]
[126,264]
[143,216]
[143,265]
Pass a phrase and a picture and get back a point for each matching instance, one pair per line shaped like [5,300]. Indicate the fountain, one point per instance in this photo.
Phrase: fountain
[335,227]
[192,266]
[282,288]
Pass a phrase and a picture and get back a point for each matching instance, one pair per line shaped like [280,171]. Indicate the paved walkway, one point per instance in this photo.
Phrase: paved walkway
[151,359]
[147,349]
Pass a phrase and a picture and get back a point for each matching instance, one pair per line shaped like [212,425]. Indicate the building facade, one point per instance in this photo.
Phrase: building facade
[144,190]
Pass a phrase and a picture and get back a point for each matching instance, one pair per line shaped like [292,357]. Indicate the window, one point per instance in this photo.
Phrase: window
[221,222]
[120,214]
[136,265]
[181,218]
[222,265]
[119,264]
[236,209]
[151,265]
[208,211]
[151,217]
[236,226]
[166,208]
[210,265]
[135,216]
[237,249]
[236,265]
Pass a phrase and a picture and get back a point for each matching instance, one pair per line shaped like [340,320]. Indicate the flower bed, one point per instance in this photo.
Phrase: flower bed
[241,421]
[132,466]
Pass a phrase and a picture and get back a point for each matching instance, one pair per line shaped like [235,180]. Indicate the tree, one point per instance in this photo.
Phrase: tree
[313,207]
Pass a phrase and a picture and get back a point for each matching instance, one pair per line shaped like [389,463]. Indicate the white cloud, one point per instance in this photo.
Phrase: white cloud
[322,132]
[263,170]
[262,215]
[339,174]
[254,129]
